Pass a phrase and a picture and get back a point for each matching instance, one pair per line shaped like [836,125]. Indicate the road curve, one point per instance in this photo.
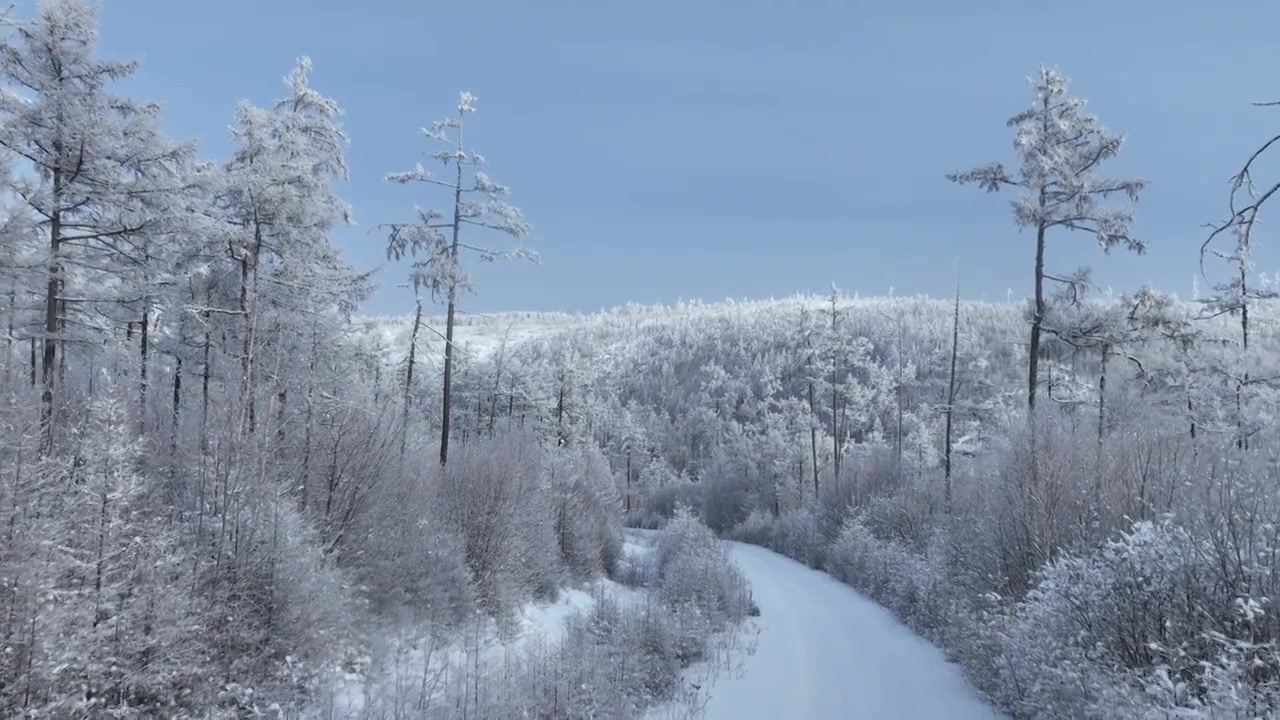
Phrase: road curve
[825,652]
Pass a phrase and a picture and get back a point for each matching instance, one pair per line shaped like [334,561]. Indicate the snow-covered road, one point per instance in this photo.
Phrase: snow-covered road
[825,652]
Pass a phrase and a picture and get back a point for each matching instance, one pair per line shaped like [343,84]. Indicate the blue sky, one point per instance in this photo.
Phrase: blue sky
[739,148]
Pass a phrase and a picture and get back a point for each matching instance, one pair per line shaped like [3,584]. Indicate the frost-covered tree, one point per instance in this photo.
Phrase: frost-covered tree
[93,156]
[435,238]
[205,513]
[1246,202]
[20,267]
[1110,329]
[1060,148]
[1240,293]
[855,388]
[280,200]
[808,371]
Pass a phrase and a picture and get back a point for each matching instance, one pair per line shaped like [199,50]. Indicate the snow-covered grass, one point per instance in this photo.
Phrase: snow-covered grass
[616,644]
[415,668]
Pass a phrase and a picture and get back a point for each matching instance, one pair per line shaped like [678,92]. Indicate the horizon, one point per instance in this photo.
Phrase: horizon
[743,152]
[1102,295]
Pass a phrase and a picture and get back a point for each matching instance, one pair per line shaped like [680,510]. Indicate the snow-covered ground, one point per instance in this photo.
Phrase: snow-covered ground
[536,628]
[824,652]
[818,650]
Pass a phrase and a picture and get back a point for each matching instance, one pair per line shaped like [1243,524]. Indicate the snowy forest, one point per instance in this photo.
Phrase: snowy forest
[226,491]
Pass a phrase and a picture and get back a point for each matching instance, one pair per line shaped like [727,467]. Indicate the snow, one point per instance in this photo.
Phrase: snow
[824,652]
[537,626]
[546,621]
[479,337]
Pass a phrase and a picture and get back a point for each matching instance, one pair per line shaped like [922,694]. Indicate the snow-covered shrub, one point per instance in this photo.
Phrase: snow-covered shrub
[586,504]
[139,616]
[638,569]
[1089,617]
[491,494]
[875,472]
[638,651]
[914,587]
[611,663]
[664,500]
[1123,633]
[309,610]
[694,570]
[797,535]
[883,569]
[906,516]
[630,655]
[757,529]
[725,501]
[644,520]
[614,660]
[1242,680]
[408,559]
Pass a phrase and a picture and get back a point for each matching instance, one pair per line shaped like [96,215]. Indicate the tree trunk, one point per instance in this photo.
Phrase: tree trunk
[52,292]
[62,330]
[1191,416]
[951,402]
[835,429]
[177,403]
[813,439]
[282,400]
[627,500]
[331,486]
[100,556]
[1102,419]
[246,348]
[447,399]
[248,300]
[144,348]
[901,400]
[835,433]
[304,481]
[1242,441]
[1033,350]
[9,361]
[408,377]
[204,437]
[835,421]
[1037,320]
[204,391]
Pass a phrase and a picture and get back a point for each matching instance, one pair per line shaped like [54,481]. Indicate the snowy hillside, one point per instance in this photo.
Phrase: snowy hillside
[478,336]
[834,430]
[481,335]
[225,493]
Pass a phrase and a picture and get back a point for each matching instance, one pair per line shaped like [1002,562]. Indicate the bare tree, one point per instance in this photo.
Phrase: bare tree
[951,399]
[438,239]
[1234,296]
